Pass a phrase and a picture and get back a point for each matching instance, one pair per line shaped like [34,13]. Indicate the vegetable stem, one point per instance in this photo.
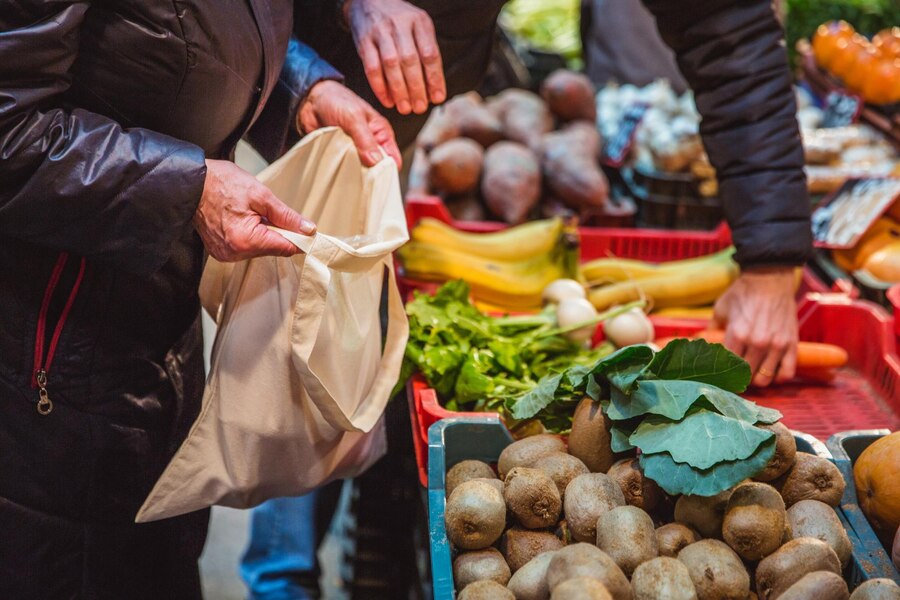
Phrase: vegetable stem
[609,314]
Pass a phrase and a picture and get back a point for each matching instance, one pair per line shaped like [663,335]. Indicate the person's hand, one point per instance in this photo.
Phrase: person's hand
[759,315]
[330,103]
[233,214]
[397,45]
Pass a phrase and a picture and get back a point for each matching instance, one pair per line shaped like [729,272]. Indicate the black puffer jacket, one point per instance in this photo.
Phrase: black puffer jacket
[107,112]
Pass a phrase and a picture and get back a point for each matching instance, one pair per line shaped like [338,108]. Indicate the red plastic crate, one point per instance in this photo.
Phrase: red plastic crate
[864,395]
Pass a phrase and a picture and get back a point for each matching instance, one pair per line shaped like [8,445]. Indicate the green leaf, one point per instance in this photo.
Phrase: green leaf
[538,398]
[766,415]
[703,439]
[618,439]
[670,399]
[698,360]
[681,478]
[471,384]
[623,367]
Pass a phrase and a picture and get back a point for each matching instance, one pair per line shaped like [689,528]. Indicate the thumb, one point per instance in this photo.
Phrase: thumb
[279,214]
[265,242]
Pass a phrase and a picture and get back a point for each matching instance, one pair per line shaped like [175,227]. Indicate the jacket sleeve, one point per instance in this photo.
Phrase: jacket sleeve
[276,128]
[73,179]
[733,56]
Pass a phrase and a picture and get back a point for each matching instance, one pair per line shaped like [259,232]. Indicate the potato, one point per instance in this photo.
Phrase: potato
[570,168]
[877,589]
[626,533]
[532,497]
[485,590]
[455,166]
[671,538]
[811,518]
[466,208]
[785,451]
[475,515]
[754,520]
[787,565]
[437,129]
[473,119]
[705,514]
[479,565]
[811,478]
[639,491]
[530,581]
[717,572]
[581,588]
[586,560]
[589,438]
[520,546]
[562,468]
[525,452]
[466,470]
[570,95]
[819,585]
[663,577]
[524,116]
[588,497]
[511,181]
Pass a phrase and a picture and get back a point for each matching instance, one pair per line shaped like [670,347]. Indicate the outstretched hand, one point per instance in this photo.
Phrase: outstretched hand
[759,315]
[330,103]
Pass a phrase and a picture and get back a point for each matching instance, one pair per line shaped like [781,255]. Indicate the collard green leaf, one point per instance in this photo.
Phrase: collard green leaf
[766,415]
[538,398]
[698,360]
[702,439]
[681,478]
[618,439]
[623,367]
[670,399]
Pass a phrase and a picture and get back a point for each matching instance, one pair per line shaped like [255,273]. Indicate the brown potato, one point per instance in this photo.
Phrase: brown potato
[570,95]
[473,119]
[569,164]
[524,116]
[455,166]
[511,181]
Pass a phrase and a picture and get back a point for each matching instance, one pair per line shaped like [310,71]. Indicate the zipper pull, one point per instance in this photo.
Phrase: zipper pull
[44,404]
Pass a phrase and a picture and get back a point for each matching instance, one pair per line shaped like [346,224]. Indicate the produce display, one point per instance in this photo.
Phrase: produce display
[877,252]
[870,68]
[877,476]
[516,155]
[576,519]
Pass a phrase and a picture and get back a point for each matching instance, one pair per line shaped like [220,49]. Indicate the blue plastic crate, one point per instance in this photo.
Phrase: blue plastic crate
[846,448]
[483,438]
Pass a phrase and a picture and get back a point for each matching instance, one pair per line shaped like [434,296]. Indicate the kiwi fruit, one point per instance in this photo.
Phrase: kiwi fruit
[562,468]
[485,590]
[811,478]
[787,565]
[818,585]
[587,560]
[478,565]
[671,538]
[524,452]
[466,470]
[626,533]
[520,546]
[456,166]
[532,497]
[811,518]
[529,582]
[754,520]
[877,589]
[587,497]
[704,513]
[589,438]
[493,482]
[581,588]
[638,490]
[475,515]
[716,570]
[785,451]
[663,577]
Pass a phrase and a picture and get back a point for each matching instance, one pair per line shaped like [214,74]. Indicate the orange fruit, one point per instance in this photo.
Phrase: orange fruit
[882,86]
[846,53]
[867,60]
[824,42]
[887,42]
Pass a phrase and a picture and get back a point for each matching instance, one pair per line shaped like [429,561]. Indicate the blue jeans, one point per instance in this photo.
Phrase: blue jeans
[280,562]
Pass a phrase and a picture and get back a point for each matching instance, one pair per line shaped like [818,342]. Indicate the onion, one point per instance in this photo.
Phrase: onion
[629,328]
[561,289]
[572,311]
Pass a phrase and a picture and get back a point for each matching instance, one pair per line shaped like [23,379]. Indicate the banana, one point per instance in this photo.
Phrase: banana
[611,270]
[514,285]
[512,244]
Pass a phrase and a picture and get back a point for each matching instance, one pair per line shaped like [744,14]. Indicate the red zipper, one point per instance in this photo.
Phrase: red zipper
[42,364]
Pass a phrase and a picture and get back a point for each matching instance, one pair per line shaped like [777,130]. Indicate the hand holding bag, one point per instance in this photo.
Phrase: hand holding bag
[299,378]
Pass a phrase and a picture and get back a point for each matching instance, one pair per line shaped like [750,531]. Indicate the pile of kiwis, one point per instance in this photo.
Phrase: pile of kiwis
[573,521]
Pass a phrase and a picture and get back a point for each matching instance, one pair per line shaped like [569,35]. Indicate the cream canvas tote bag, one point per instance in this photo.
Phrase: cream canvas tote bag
[301,371]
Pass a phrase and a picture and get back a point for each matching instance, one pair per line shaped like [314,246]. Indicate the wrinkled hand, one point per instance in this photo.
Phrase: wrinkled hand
[397,45]
[234,211]
[759,314]
[330,103]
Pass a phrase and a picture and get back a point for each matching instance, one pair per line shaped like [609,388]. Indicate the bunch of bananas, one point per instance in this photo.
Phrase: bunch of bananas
[506,270]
